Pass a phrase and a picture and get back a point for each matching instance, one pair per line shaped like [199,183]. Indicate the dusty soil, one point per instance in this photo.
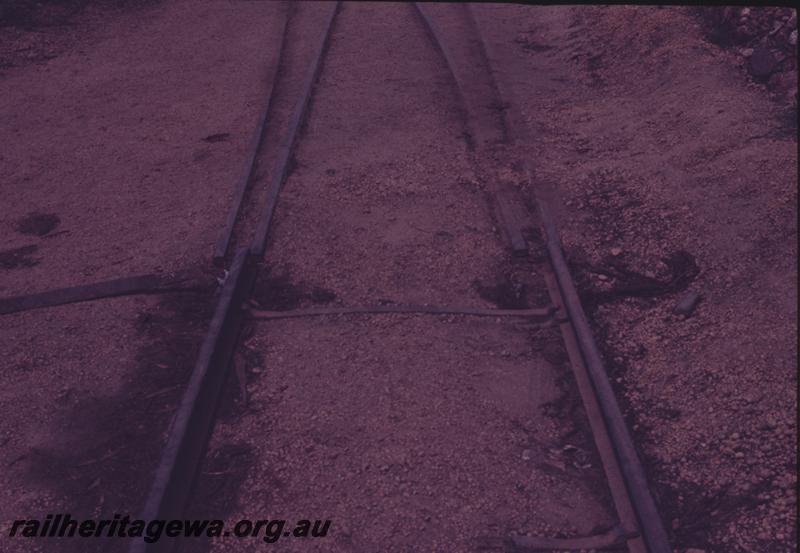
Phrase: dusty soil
[133,142]
[382,203]
[676,173]
[662,148]
[89,428]
[409,434]
[34,31]
[119,154]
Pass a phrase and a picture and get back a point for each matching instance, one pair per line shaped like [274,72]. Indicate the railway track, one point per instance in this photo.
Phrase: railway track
[493,131]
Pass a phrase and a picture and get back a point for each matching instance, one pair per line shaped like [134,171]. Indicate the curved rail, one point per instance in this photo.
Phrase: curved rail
[435,33]
[193,421]
[626,459]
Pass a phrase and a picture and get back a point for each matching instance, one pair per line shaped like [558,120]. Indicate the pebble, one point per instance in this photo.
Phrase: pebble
[687,303]
[747,52]
[527,454]
[616,251]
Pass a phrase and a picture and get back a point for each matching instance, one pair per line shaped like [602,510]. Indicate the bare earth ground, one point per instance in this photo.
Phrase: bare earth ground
[657,142]
[98,396]
[134,143]
[410,434]
[119,156]
[34,31]
[383,207]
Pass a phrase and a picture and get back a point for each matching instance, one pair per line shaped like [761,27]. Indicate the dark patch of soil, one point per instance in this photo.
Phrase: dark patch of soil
[505,293]
[111,445]
[717,24]
[788,121]
[223,471]
[34,31]
[275,290]
[322,295]
[700,510]
[38,224]
[174,326]
[29,13]
[18,257]
[621,282]
[47,13]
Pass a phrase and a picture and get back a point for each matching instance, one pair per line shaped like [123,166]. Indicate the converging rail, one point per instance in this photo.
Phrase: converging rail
[493,124]
[640,527]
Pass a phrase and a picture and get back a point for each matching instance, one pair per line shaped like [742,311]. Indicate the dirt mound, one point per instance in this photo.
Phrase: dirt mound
[765,36]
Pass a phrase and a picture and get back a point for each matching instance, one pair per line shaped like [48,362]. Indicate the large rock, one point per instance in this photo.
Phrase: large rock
[762,64]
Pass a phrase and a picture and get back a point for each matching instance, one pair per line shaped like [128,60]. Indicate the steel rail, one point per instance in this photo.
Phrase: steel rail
[153,283]
[648,519]
[434,33]
[538,314]
[613,539]
[283,162]
[226,236]
[499,197]
[193,422]
[650,522]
